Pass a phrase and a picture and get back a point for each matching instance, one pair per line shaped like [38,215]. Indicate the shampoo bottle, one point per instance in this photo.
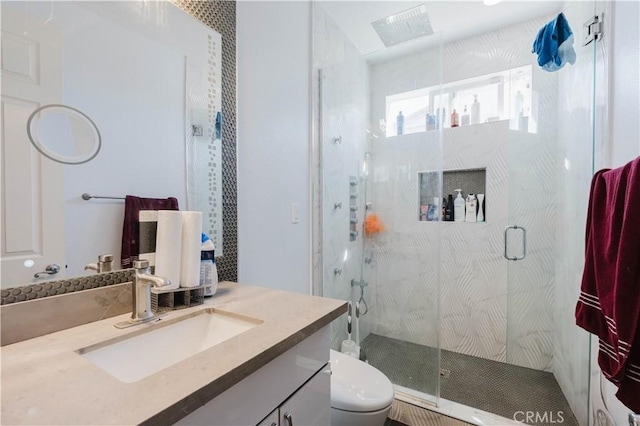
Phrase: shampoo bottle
[448,211]
[475,110]
[458,207]
[471,204]
[480,208]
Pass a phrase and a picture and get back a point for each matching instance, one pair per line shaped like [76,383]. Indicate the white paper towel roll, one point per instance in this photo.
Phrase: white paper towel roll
[191,242]
[169,246]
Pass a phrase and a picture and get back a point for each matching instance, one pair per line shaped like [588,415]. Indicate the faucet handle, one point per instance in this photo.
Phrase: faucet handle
[105,258]
[140,264]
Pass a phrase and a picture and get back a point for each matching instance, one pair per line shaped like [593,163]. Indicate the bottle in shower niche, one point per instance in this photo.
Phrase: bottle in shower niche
[480,217]
[475,110]
[458,207]
[400,123]
[424,212]
[434,210]
[471,204]
[448,210]
[444,208]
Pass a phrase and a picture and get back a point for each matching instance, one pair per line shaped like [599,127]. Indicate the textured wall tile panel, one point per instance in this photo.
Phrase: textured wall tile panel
[220,15]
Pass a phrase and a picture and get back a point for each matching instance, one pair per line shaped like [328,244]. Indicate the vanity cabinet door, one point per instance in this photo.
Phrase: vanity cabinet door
[271,419]
[311,404]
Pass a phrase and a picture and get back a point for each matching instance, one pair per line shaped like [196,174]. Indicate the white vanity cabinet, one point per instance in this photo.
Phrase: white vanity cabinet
[309,406]
[292,389]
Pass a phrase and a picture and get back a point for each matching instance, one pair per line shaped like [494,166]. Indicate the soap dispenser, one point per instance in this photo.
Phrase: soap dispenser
[458,207]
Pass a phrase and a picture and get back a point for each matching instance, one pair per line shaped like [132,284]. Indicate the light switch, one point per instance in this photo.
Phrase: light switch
[295,213]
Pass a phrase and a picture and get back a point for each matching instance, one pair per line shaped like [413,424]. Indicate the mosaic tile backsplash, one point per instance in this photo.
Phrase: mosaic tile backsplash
[54,288]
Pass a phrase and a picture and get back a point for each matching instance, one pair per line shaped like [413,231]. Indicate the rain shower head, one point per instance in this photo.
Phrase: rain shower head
[403,26]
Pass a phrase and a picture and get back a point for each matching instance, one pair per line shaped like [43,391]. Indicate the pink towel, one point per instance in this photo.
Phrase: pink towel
[130,228]
[609,303]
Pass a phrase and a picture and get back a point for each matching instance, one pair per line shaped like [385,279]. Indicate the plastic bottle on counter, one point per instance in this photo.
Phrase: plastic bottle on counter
[208,268]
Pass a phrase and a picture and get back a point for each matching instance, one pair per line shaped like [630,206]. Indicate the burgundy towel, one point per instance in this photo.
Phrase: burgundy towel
[130,228]
[609,303]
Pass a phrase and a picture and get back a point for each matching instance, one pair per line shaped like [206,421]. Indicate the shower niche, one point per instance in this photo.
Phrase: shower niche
[434,191]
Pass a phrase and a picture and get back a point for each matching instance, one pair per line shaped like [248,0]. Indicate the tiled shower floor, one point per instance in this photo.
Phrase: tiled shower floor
[491,386]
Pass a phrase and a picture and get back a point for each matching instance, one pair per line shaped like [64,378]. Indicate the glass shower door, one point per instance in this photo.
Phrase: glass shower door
[550,164]
[376,252]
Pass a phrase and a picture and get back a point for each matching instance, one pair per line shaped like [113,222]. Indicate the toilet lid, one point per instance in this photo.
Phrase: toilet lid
[357,386]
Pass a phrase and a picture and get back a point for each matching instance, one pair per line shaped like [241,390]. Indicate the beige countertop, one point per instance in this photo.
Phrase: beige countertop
[45,381]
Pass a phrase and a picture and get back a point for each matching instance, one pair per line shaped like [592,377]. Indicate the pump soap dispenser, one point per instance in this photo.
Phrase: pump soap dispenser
[458,207]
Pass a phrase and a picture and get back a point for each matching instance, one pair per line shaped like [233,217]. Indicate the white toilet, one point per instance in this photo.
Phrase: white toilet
[360,394]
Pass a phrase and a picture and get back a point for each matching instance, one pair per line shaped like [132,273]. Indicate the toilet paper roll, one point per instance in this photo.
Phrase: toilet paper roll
[191,242]
[169,247]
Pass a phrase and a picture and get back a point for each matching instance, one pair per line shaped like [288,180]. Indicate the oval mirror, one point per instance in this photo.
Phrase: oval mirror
[64,134]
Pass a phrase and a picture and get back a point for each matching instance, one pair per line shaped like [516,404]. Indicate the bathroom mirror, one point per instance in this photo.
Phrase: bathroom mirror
[64,134]
[124,97]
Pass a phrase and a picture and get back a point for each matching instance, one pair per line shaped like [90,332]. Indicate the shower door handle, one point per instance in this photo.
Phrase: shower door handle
[524,242]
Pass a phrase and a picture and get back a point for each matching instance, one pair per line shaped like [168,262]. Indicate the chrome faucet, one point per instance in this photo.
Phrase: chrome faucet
[105,264]
[141,285]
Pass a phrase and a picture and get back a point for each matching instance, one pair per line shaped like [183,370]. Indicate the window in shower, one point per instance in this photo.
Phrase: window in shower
[505,95]
[414,106]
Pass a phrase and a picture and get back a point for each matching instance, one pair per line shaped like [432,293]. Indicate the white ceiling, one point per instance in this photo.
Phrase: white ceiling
[456,20]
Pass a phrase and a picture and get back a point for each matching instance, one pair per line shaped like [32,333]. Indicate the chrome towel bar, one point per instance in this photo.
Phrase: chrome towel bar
[87,197]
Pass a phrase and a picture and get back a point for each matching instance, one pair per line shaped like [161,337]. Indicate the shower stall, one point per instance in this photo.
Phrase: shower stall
[460,315]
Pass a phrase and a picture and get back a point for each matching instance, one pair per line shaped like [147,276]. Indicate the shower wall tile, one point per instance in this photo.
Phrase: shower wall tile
[473,271]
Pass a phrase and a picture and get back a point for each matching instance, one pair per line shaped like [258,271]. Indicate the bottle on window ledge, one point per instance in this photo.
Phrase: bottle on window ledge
[454,119]
[400,123]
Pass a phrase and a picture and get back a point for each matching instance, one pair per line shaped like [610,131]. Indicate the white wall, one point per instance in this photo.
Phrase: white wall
[625,87]
[273,48]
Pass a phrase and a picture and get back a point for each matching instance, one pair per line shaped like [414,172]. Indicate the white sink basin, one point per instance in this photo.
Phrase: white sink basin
[165,344]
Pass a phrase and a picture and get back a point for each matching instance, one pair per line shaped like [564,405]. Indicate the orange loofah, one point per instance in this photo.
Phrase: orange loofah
[373,225]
